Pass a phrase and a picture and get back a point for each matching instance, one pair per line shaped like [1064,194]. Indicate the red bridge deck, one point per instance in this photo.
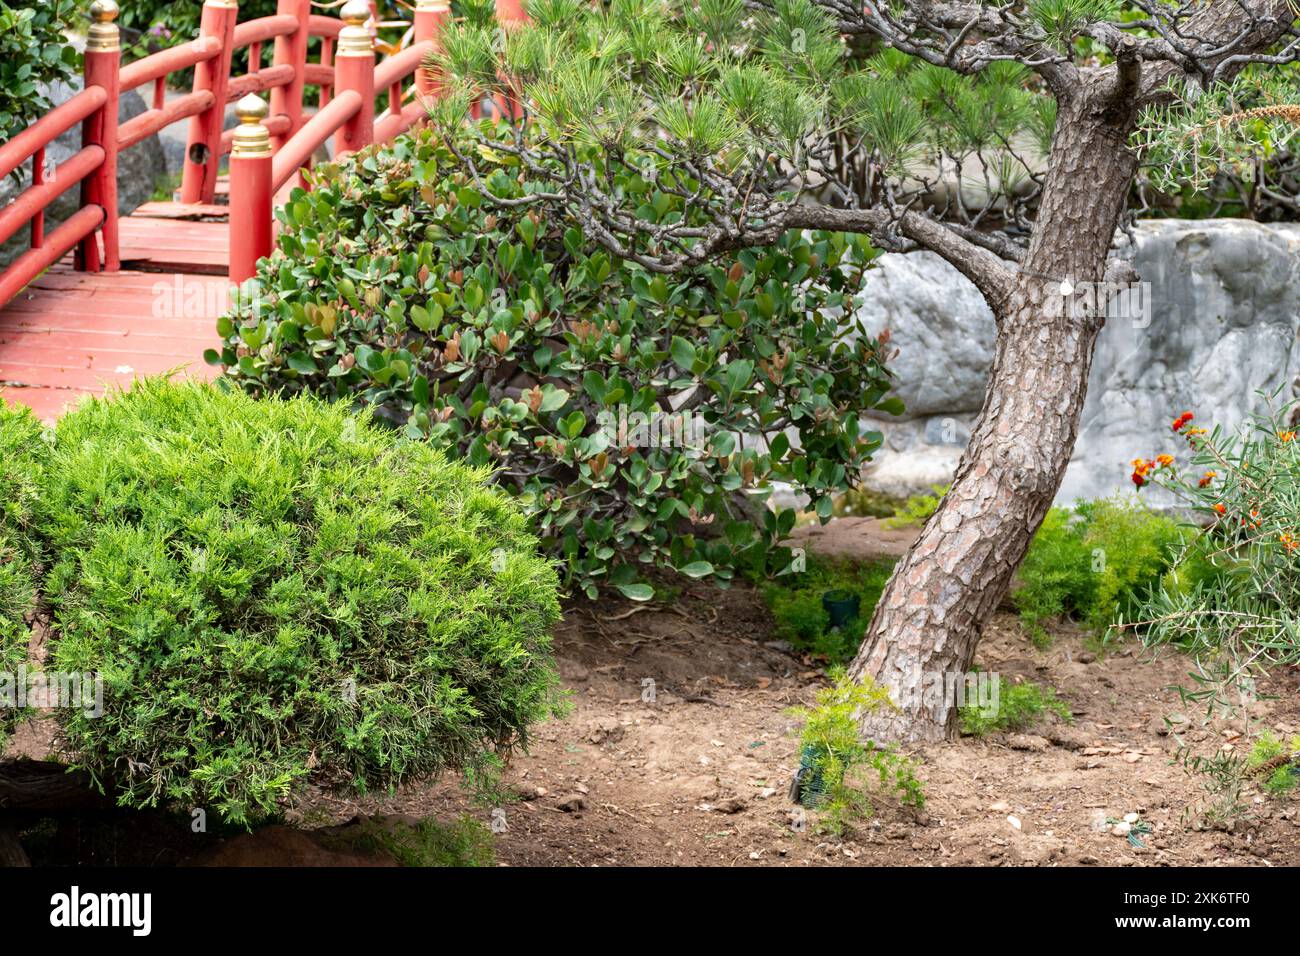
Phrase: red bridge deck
[71,334]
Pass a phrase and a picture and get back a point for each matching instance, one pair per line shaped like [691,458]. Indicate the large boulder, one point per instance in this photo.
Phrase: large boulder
[139,170]
[1222,324]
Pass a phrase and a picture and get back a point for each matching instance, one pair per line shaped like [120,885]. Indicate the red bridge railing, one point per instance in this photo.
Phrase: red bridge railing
[271,145]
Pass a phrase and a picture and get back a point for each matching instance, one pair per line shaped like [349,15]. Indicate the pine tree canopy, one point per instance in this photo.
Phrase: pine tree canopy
[919,123]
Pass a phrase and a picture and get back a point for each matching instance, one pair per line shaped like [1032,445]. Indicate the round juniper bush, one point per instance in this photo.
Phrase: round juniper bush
[22,453]
[278,591]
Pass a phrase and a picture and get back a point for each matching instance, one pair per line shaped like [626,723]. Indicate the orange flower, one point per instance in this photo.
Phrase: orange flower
[1209,477]
[1165,460]
[1219,508]
[1141,468]
[1289,542]
[1182,420]
[1286,436]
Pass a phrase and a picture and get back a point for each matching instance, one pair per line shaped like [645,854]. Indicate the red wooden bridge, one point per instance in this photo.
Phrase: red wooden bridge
[98,300]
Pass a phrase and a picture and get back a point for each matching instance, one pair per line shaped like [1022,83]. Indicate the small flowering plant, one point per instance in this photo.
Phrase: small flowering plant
[1232,598]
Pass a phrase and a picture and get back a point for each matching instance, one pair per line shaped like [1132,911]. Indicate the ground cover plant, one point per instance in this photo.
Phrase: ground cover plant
[917,508]
[795,600]
[461,842]
[276,592]
[641,420]
[839,764]
[1020,707]
[1098,561]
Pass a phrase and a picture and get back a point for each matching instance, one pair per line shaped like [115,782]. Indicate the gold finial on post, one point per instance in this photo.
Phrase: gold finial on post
[355,38]
[251,137]
[103,36]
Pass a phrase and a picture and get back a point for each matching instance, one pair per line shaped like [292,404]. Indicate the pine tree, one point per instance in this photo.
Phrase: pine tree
[1003,136]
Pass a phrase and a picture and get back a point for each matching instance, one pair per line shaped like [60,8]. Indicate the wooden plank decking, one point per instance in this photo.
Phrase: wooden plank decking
[71,334]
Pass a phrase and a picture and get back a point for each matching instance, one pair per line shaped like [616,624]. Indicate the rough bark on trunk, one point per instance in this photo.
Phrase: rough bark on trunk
[927,624]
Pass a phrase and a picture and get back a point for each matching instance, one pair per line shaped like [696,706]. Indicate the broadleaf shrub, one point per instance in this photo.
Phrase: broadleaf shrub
[22,453]
[33,52]
[623,408]
[277,591]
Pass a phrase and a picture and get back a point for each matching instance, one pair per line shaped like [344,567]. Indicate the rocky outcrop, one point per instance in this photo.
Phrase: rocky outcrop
[139,170]
[1218,325]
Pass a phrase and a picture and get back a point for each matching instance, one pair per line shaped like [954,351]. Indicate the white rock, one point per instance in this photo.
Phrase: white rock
[1223,304]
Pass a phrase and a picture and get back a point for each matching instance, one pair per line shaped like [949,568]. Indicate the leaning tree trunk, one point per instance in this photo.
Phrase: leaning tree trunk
[929,619]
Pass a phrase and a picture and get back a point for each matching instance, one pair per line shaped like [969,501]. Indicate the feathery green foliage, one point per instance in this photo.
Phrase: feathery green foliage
[277,591]
[843,762]
[22,458]
[1020,706]
[1188,142]
[1097,563]
[1060,20]
[718,91]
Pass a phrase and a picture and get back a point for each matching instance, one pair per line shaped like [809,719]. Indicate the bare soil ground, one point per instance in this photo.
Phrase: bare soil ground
[700,776]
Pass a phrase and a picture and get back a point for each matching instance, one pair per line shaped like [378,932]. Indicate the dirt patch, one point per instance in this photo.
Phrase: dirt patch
[700,773]
[859,538]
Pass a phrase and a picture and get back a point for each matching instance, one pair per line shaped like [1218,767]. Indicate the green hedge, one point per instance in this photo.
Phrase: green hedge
[280,591]
[504,333]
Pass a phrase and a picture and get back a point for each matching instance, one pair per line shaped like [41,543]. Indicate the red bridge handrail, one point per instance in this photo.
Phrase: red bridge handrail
[75,230]
[296,153]
[159,64]
[143,126]
[257,172]
[322,26]
[49,128]
[346,74]
[39,195]
[263,29]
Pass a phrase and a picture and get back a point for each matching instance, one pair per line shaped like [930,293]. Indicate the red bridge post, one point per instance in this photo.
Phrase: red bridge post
[203,152]
[430,15]
[102,62]
[510,14]
[354,69]
[250,190]
[291,51]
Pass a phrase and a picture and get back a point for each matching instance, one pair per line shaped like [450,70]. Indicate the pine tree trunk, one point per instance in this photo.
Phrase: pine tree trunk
[929,619]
